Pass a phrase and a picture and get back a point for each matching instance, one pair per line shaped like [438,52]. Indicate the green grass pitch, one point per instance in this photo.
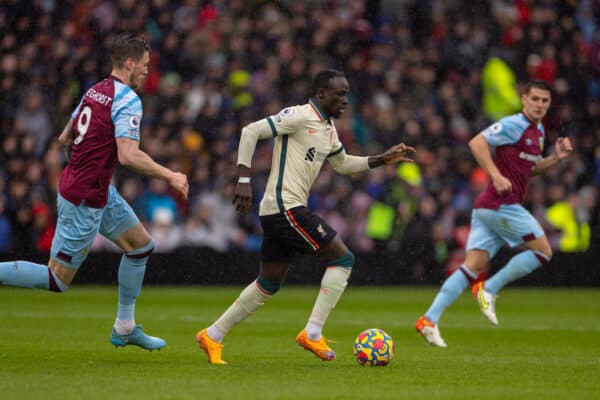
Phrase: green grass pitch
[57,347]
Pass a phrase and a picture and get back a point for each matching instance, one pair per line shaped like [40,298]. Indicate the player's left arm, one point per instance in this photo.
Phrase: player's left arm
[345,164]
[131,156]
[127,120]
[562,150]
[393,155]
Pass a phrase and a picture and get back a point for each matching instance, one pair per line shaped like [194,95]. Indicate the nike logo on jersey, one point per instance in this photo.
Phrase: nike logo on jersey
[312,131]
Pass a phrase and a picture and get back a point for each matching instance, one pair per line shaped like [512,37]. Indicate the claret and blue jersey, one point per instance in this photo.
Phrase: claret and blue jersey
[518,144]
[108,110]
[499,219]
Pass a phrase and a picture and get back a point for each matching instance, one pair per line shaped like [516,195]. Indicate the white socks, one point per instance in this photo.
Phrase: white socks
[253,297]
[333,284]
[250,300]
[314,331]
[124,327]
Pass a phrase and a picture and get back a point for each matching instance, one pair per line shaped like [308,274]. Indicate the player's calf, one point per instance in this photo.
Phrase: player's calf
[333,284]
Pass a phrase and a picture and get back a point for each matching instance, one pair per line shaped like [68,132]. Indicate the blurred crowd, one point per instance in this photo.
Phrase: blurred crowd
[427,73]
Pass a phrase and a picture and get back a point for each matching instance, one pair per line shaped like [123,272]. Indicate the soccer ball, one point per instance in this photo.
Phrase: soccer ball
[374,348]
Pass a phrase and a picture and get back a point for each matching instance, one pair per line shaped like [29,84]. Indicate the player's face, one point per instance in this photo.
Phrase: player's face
[335,98]
[536,103]
[139,71]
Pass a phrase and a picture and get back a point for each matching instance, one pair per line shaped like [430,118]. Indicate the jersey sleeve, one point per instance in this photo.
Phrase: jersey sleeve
[286,122]
[506,131]
[252,133]
[74,114]
[336,145]
[344,163]
[127,116]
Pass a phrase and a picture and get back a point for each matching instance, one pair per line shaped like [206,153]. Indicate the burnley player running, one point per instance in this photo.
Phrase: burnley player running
[498,216]
[305,137]
[104,127]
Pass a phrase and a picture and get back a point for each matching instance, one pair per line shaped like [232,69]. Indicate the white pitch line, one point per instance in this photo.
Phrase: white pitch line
[273,321]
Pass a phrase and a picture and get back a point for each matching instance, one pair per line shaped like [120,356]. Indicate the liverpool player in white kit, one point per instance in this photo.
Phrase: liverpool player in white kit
[498,216]
[104,128]
[305,137]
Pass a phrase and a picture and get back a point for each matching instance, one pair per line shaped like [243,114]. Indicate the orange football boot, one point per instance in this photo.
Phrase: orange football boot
[318,347]
[211,347]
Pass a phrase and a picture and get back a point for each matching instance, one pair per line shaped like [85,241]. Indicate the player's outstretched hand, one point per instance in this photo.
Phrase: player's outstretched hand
[242,197]
[397,153]
[179,182]
[563,148]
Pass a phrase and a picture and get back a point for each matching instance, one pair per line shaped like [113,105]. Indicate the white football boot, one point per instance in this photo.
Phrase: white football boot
[430,332]
[487,302]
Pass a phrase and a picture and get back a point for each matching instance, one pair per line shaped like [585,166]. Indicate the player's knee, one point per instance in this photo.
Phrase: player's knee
[345,261]
[544,256]
[55,284]
[142,252]
[474,269]
[267,285]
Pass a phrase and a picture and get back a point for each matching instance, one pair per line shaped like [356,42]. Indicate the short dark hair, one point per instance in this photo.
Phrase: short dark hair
[322,78]
[538,84]
[126,46]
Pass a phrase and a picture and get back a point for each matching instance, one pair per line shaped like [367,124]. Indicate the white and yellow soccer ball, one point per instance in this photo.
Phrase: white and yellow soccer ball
[374,348]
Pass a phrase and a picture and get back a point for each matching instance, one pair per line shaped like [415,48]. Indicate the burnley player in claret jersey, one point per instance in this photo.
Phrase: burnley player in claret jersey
[498,216]
[104,129]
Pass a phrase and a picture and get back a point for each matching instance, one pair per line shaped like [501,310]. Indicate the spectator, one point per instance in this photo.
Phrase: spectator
[32,119]
[166,235]
[156,197]
[422,78]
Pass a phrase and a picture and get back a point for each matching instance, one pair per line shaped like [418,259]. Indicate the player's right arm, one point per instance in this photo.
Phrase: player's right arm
[284,123]
[507,131]
[481,151]
[131,156]
[66,136]
[251,134]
